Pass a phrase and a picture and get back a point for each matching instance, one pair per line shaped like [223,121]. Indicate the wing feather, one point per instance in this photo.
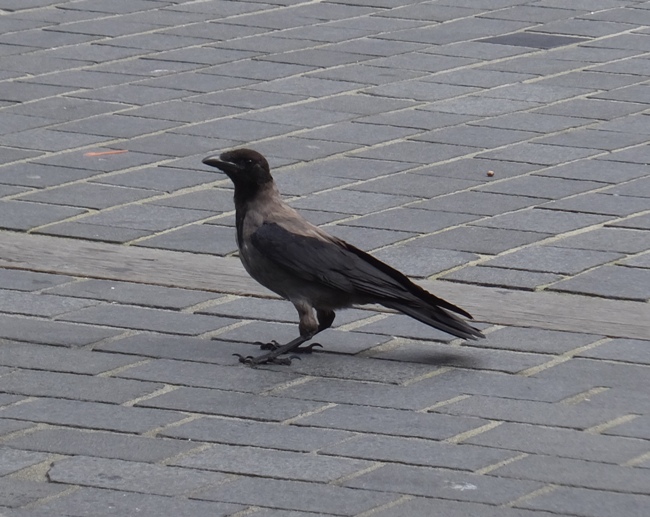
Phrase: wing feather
[337,264]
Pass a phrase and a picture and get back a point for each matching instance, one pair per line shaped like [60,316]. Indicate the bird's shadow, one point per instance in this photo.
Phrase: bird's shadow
[440,359]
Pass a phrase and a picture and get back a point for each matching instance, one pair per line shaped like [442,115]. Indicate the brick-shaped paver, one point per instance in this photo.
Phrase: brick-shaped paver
[489,143]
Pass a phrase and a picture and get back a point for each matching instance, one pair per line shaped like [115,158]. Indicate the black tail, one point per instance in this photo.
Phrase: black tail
[436,317]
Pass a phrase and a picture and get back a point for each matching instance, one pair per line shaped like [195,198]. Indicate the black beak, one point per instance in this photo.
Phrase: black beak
[227,167]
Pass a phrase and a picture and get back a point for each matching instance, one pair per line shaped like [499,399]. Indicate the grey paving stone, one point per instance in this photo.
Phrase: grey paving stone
[14,122]
[637,428]
[476,169]
[173,347]
[418,261]
[415,118]
[563,443]
[640,261]
[30,280]
[593,109]
[11,426]
[630,124]
[443,484]
[600,203]
[616,282]
[91,501]
[415,185]
[480,106]
[364,134]
[230,403]
[22,215]
[180,111]
[541,154]
[479,78]
[481,240]
[238,129]
[368,238]
[296,495]
[289,149]
[586,474]
[349,202]
[49,140]
[498,277]
[541,65]
[184,373]
[92,415]
[350,167]
[307,86]
[416,152]
[12,460]
[418,90]
[637,154]
[346,391]
[414,451]
[56,359]
[17,302]
[92,161]
[534,40]
[116,126]
[592,139]
[359,103]
[101,444]
[246,98]
[88,195]
[198,238]
[256,434]
[530,412]
[476,202]
[609,373]
[10,154]
[410,220]
[543,221]
[141,318]
[475,136]
[301,181]
[131,293]
[271,463]
[161,179]
[19,492]
[596,170]
[636,188]
[75,387]
[211,199]
[532,121]
[93,232]
[549,259]
[541,341]
[589,502]
[131,476]
[424,506]
[605,239]
[391,422]
[145,217]
[537,93]
[51,332]
[627,400]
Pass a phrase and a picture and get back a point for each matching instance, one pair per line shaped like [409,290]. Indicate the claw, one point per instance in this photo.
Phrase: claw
[307,349]
[246,360]
[271,345]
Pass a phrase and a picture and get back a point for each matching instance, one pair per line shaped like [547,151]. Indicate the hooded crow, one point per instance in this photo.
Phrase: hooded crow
[312,269]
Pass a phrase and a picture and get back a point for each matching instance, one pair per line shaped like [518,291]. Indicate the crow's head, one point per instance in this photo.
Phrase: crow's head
[244,167]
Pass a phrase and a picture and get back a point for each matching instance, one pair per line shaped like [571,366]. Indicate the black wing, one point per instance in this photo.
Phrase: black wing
[340,265]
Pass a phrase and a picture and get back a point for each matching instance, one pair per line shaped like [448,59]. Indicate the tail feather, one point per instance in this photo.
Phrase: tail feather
[437,317]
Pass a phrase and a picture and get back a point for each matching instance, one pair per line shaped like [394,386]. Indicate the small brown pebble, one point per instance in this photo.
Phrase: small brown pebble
[490,174]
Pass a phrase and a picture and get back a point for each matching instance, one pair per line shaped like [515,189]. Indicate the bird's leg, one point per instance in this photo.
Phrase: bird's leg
[308,326]
[273,356]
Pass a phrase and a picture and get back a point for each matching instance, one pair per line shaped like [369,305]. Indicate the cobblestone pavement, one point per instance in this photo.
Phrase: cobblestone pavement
[498,147]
